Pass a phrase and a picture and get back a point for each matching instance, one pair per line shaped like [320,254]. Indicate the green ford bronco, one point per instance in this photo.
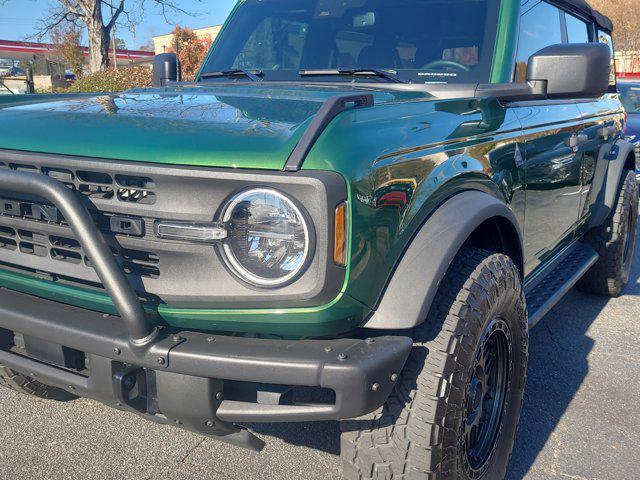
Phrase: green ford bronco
[355,212]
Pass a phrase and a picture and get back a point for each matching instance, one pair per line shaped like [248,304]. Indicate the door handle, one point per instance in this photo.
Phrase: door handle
[606,132]
[575,141]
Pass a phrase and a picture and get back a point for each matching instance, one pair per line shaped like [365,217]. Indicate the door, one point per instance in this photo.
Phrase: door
[551,147]
[552,156]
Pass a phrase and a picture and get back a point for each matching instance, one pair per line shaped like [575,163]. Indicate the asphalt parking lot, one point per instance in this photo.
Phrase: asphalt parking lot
[581,418]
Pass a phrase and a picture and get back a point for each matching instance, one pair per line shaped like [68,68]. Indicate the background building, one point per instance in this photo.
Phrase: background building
[164,43]
[628,64]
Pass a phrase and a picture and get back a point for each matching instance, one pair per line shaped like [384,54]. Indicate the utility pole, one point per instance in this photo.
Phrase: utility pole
[113,39]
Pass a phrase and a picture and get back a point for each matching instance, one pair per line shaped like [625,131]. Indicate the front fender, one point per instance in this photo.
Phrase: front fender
[413,287]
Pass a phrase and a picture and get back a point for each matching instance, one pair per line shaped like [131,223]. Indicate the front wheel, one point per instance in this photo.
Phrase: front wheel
[455,410]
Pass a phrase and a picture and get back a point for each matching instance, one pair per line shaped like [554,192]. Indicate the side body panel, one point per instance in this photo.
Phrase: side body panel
[422,154]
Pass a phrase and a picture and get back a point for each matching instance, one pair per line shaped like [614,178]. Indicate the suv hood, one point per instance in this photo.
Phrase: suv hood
[219,126]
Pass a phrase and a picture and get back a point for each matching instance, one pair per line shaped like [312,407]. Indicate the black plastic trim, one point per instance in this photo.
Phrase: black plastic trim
[361,372]
[329,110]
[407,299]
[606,196]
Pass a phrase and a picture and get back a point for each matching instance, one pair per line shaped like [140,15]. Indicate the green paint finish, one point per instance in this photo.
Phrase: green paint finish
[340,316]
[422,153]
[61,293]
[506,42]
[226,126]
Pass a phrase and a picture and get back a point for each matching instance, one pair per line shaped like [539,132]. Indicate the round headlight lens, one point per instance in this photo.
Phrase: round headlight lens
[268,239]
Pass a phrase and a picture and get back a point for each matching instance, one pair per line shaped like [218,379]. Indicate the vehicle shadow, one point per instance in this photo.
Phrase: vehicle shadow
[558,364]
[322,436]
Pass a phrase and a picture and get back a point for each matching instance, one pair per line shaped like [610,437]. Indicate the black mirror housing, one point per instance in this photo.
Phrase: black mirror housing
[166,68]
[572,70]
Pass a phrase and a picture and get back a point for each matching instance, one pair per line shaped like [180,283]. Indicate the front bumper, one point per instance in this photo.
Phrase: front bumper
[202,382]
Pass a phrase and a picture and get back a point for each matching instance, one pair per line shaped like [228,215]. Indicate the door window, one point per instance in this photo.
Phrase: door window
[540,27]
[577,30]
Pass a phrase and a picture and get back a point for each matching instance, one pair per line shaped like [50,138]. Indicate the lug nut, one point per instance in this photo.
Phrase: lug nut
[116,350]
[375,387]
[328,349]
[209,423]
[211,339]
[370,340]
[342,357]
[161,361]
[394,377]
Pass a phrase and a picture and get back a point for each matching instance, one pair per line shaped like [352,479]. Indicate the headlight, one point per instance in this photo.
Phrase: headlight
[268,240]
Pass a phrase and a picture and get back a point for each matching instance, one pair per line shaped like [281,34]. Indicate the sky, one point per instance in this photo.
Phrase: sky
[19,19]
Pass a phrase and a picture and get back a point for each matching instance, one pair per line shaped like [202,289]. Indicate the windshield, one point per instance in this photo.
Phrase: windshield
[421,41]
[630,97]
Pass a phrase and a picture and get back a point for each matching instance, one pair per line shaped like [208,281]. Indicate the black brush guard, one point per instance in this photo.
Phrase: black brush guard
[177,377]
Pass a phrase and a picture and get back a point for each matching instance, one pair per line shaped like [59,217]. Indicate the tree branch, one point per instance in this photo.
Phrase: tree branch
[115,16]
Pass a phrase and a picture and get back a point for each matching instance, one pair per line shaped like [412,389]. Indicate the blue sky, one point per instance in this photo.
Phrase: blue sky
[19,18]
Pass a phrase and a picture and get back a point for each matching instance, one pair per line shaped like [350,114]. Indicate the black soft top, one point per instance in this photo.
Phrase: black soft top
[581,6]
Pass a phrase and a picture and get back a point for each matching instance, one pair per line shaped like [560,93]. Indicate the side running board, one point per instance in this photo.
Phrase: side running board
[556,282]
[329,110]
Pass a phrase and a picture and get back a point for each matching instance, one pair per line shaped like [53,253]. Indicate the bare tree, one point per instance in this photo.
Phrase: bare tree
[99,17]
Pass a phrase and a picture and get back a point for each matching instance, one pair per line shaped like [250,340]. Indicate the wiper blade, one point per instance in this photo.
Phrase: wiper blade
[352,72]
[253,75]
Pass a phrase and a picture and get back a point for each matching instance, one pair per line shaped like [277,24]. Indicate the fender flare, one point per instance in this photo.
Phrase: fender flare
[409,294]
[605,198]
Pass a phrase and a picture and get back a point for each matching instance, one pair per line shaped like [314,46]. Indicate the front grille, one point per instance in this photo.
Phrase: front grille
[127,198]
[96,184]
[36,243]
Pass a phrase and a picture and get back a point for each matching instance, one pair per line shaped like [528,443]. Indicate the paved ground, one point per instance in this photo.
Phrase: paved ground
[581,418]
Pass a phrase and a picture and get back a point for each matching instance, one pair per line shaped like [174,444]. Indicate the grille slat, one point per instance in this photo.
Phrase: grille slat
[144,264]
[97,184]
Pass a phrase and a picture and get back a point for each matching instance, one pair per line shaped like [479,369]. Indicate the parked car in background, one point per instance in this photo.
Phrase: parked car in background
[69,76]
[12,72]
[630,97]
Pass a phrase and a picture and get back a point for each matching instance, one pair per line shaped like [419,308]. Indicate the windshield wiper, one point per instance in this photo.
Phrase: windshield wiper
[352,72]
[253,75]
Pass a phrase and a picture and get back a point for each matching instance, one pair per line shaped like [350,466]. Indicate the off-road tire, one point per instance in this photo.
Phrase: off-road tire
[419,431]
[610,274]
[27,385]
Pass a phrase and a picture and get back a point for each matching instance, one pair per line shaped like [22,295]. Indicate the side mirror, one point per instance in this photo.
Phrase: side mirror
[166,68]
[572,70]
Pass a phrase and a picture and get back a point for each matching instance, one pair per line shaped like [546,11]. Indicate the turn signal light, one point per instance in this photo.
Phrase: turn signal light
[341,236]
